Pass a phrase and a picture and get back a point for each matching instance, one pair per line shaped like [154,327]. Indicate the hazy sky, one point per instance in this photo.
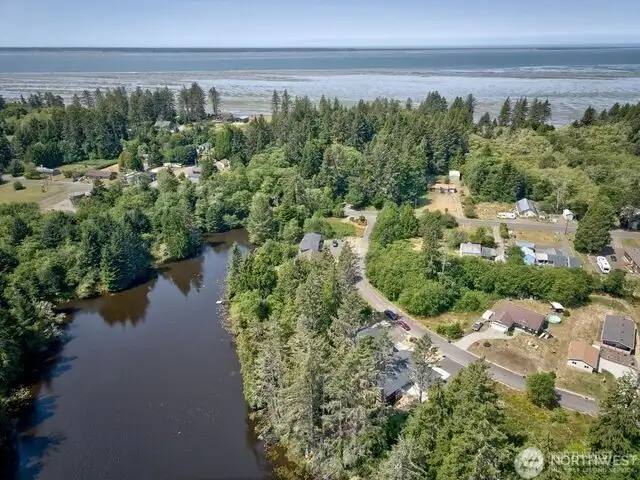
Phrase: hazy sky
[291,23]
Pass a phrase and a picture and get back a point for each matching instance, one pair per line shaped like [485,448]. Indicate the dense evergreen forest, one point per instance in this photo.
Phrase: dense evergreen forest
[312,384]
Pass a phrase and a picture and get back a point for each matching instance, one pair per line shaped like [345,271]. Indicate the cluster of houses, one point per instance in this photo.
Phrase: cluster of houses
[617,341]
[546,256]
[617,344]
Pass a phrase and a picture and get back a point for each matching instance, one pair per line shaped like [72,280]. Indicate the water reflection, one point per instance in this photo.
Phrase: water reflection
[159,399]
[186,275]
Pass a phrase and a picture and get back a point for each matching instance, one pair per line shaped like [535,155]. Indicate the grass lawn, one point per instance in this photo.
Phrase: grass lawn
[465,319]
[95,164]
[528,354]
[444,202]
[595,385]
[566,429]
[631,242]
[537,236]
[489,210]
[342,227]
[31,193]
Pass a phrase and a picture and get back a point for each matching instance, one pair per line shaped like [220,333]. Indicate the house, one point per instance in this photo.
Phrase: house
[205,147]
[567,215]
[100,175]
[632,257]
[397,379]
[311,243]
[508,316]
[75,196]
[164,125]
[549,257]
[619,333]
[583,356]
[222,165]
[526,208]
[476,250]
[443,188]
[47,171]
[454,175]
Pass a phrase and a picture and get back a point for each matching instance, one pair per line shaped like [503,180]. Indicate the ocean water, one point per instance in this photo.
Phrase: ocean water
[571,78]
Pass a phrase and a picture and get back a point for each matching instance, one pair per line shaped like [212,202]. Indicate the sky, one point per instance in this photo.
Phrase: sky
[318,23]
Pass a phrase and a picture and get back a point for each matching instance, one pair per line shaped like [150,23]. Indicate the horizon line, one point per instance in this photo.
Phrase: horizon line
[543,46]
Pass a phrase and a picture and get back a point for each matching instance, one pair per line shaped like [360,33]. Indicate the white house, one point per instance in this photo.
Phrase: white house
[583,356]
[526,208]
[567,215]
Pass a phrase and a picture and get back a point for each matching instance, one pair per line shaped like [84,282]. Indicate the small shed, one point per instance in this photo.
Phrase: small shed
[454,175]
[556,307]
[567,215]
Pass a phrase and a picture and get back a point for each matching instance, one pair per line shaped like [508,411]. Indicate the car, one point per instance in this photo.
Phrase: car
[404,326]
[334,243]
[391,315]
[613,258]
[477,326]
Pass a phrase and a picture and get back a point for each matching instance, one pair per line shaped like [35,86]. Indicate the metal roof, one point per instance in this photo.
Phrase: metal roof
[525,204]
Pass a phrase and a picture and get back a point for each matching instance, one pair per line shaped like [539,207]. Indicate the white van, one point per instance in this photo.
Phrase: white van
[603,264]
[509,215]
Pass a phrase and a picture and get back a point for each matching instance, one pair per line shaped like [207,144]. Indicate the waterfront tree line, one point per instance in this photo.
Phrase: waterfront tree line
[295,320]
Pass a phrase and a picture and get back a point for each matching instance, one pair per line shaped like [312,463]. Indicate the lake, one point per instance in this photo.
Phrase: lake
[147,386]
[572,78]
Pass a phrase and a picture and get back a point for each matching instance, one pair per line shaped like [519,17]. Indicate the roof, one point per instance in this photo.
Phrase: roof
[579,350]
[619,330]
[525,204]
[509,314]
[469,248]
[522,244]
[163,124]
[556,305]
[398,376]
[549,251]
[573,262]
[454,173]
[311,242]
[633,254]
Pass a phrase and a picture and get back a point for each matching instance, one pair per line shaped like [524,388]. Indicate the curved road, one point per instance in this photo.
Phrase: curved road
[455,357]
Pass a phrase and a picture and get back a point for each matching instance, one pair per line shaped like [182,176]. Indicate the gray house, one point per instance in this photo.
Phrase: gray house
[476,250]
[526,208]
[311,243]
[619,333]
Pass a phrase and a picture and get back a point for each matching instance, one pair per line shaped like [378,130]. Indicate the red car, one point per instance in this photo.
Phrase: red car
[404,326]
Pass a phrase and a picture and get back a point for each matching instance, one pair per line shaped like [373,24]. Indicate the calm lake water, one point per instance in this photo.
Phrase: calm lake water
[147,387]
[571,78]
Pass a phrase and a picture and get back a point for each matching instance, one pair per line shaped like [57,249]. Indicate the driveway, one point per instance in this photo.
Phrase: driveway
[487,333]
[615,369]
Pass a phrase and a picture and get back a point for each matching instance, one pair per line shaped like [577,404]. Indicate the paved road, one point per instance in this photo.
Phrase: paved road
[455,358]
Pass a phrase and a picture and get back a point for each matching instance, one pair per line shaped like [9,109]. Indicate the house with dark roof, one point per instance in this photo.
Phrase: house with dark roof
[508,316]
[526,208]
[619,333]
[583,356]
[311,243]
[398,380]
[469,249]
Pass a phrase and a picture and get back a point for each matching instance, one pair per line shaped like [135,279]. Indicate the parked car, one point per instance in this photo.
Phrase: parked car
[477,326]
[404,326]
[334,243]
[391,315]
[613,258]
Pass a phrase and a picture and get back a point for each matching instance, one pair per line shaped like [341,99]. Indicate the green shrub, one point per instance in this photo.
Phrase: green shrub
[17,185]
[487,343]
[451,331]
[31,173]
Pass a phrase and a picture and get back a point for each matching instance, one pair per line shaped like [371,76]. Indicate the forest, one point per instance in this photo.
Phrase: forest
[309,381]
